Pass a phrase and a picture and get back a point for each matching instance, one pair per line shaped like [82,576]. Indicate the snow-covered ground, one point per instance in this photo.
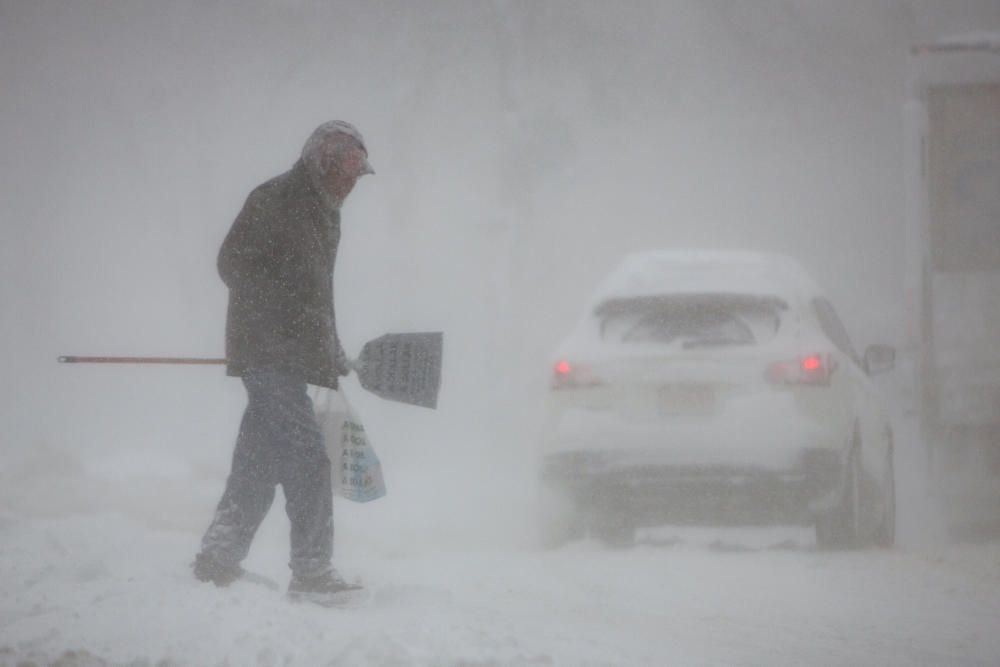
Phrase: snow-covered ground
[94,571]
[111,587]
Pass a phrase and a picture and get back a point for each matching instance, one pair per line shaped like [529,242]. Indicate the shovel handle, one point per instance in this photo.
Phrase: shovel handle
[139,360]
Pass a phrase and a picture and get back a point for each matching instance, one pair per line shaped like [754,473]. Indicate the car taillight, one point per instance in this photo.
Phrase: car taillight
[566,375]
[815,369]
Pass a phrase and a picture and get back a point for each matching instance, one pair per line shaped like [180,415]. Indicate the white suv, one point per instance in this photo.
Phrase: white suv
[715,386]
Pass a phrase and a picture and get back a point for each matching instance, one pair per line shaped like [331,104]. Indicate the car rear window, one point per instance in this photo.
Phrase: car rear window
[691,320]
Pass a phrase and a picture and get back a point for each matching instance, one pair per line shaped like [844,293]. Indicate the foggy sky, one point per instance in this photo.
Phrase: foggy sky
[521,149]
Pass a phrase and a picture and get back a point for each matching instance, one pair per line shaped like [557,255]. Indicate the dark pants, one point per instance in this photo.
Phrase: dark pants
[279,443]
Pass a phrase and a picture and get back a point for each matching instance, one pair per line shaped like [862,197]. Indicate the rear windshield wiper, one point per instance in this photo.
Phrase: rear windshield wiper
[712,342]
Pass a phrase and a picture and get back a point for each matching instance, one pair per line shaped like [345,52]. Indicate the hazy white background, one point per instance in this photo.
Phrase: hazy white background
[521,149]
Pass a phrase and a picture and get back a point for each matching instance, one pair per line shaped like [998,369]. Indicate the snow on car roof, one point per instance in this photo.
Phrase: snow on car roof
[707,272]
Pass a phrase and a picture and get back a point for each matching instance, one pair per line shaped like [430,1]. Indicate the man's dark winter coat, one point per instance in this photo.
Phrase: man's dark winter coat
[277,261]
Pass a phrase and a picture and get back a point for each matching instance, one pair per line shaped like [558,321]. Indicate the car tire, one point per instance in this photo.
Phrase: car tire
[617,532]
[558,518]
[885,535]
[839,528]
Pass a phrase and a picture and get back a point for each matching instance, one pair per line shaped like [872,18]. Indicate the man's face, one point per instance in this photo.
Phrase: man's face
[345,172]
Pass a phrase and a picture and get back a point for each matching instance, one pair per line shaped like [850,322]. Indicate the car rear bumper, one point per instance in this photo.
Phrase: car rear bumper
[636,485]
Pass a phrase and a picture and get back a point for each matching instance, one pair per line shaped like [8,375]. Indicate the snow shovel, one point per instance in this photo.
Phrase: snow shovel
[401,367]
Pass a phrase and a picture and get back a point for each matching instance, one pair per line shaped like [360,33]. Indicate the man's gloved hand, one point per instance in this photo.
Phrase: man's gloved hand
[342,363]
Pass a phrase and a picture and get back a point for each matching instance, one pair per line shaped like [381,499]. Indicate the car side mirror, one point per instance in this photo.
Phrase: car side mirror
[879,359]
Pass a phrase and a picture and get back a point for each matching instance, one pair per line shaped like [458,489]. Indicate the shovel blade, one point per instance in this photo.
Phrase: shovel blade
[403,367]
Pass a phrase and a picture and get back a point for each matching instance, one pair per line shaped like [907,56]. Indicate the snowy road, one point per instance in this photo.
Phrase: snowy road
[94,559]
[110,587]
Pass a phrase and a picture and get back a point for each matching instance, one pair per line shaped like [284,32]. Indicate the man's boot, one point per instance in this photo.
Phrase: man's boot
[328,589]
[206,568]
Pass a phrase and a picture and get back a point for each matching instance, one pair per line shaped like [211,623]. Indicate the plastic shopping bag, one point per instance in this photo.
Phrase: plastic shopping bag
[358,471]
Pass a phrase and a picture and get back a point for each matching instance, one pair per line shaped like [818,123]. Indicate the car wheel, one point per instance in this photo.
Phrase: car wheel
[559,518]
[885,536]
[839,528]
[615,531]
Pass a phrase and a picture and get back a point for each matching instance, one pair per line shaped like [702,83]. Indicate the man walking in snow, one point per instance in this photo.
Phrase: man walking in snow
[277,261]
